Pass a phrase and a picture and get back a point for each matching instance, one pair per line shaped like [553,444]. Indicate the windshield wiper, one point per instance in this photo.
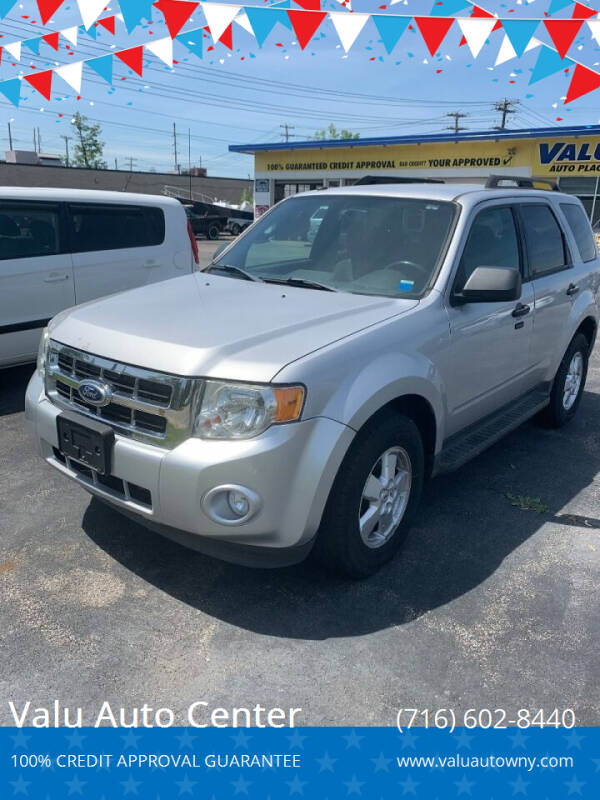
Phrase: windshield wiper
[234,271]
[302,283]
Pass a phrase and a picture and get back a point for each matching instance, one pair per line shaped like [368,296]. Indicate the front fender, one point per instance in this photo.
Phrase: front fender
[584,306]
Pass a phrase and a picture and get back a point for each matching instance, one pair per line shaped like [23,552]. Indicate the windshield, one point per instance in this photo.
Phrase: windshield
[387,246]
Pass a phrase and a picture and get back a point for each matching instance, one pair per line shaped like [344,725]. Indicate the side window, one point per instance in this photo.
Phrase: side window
[581,230]
[492,242]
[99,227]
[544,240]
[27,231]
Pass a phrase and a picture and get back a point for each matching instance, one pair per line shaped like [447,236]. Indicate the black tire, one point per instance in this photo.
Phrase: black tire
[556,414]
[339,545]
[213,233]
[236,230]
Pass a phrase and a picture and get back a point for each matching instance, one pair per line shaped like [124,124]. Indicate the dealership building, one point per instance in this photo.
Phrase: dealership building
[570,155]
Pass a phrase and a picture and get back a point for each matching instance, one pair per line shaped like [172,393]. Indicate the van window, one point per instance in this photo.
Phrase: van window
[492,242]
[115,227]
[581,230]
[544,239]
[29,230]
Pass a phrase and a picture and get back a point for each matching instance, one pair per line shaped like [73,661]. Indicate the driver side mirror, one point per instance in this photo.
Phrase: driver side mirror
[490,285]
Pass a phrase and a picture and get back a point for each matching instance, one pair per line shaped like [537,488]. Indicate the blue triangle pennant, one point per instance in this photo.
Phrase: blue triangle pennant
[5,7]
[102,66]
[557,5]
[11,90]
[548,63]
[390,29]
[192,40]
[263,20]
[519,32]
[33,45]
[134,11]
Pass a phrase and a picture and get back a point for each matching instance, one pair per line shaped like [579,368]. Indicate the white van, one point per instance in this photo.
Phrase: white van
[63,247]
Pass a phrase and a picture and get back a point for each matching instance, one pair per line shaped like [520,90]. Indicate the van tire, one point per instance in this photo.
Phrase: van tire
[340,545]
[213,233]
[559,412]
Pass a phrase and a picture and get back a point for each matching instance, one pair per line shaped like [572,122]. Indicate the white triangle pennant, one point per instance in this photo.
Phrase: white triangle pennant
[14,48]
[594,28]
[219,17]
[71,74]
[348,26]
[476,31]
[163,49]
[70,35]
[507,51]
[90,10]
[242,19]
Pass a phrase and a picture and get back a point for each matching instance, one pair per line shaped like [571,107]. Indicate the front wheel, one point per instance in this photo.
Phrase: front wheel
[569,383]
[373,498]
[213,233]
[235,229]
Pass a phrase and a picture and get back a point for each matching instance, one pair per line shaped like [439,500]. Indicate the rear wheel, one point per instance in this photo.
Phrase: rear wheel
[235,229]
[373,498]
[569,383]
[213,232]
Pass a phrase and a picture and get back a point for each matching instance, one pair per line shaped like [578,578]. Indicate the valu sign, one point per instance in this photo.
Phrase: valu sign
[577,155]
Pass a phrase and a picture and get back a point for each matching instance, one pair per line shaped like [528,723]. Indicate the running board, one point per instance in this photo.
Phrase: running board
[465,445]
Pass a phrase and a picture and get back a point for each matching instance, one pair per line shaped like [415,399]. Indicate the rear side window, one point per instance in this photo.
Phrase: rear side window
[29,230]
[544,239]
[492,242]
[115,227]
[581,230]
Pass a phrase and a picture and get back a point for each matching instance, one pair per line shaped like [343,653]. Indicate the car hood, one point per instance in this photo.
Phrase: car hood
[212,326]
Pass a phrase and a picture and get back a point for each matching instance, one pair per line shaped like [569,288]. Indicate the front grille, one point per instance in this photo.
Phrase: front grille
[145,405]
[123,490]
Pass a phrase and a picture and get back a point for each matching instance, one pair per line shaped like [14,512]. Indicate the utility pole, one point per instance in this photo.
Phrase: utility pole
[39,141]
[67,140]
[132,161]
[35,147]
[10,143]
[116,164]
[287,128]
[505,108]
[177,168]
[190,159]
[457,115]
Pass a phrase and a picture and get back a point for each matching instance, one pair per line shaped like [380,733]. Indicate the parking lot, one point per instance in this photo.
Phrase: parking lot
[492,604]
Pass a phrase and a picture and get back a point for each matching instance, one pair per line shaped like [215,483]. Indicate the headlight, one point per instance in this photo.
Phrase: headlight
[241,411]
[42,353]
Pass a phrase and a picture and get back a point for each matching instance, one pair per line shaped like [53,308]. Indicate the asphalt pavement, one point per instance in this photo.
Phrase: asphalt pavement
[493,603]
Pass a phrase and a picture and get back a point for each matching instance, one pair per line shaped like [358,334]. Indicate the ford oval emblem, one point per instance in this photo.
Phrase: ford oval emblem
[95,393]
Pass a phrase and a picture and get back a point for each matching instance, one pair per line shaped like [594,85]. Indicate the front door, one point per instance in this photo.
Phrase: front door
[488,362]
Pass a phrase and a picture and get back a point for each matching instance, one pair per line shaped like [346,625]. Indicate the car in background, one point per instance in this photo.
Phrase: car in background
[209,225]
[63,247]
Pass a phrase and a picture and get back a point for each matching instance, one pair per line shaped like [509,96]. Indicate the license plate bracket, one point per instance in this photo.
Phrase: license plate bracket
[90,443]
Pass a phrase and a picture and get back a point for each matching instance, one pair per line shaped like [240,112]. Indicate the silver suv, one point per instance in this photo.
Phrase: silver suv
[296,394]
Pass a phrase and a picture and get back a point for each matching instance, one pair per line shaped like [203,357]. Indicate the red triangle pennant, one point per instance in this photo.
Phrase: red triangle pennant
[41,82]
[47,8]
[305,25]
[52,40]
[108,23]
[0,55]
[562,32]
[310,5]
[176,13]
[134,58]
[584,80]
[227,37]
[433,30]
[582,12]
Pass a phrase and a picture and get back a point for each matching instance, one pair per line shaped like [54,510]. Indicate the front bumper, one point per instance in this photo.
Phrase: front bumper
[291,467]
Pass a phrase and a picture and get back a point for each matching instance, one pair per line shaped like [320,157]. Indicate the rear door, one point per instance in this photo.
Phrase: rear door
[117,247]
[488,363]
[550,266]
[36,275]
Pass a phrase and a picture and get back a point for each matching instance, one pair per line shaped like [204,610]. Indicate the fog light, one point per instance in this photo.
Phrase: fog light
[238,503]
[231,504]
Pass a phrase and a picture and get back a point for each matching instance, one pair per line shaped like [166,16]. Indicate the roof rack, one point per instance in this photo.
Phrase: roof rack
[372,180]
[494,182]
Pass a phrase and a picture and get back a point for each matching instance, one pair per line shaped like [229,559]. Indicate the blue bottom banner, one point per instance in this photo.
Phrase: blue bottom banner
[319,763]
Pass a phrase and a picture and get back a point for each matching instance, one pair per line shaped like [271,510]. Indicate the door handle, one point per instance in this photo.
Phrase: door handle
[54,277]
[520,310]
[573,289]
[151,263]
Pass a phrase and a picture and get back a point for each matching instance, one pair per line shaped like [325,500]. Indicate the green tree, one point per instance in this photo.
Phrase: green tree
[246,196]
[332,133]
[89,148]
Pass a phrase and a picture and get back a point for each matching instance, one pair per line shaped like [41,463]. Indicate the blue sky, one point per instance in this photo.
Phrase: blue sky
[245,95]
